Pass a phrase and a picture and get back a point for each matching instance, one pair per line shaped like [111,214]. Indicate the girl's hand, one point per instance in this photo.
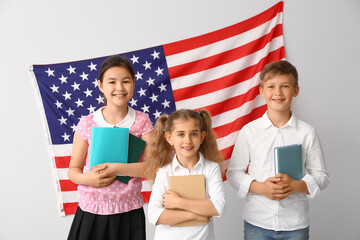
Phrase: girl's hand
[100,176]
[171,200]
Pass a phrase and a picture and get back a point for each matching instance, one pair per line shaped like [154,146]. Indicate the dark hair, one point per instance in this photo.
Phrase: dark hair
[115,61]
[281,67]
[160,153]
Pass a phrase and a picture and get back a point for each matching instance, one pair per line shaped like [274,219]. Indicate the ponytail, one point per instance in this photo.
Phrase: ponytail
[208,147]
[159,152]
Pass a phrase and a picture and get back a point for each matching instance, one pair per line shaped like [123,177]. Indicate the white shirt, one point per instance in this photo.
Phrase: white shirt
[214,192]
[254,148]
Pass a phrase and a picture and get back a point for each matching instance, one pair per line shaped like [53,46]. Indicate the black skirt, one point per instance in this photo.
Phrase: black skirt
[127,226]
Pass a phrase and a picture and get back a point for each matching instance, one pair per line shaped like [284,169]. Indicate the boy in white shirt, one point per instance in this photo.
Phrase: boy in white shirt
[276,207]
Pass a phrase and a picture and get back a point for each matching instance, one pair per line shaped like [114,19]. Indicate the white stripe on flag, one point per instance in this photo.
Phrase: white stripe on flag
[227,141]
[70,196]
[62,150]
[146,186]
[218,96]
[224,45]
[232,115]
[63,173]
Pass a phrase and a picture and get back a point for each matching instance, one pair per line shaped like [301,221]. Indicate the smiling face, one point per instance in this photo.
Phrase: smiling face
[117,86]
[278,92]
[186,137]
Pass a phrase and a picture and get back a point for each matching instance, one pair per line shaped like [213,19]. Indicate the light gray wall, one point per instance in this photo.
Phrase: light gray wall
[321,38]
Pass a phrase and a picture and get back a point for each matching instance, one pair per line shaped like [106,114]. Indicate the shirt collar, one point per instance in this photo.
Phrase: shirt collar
[266,122]
[176,164]
[127,122]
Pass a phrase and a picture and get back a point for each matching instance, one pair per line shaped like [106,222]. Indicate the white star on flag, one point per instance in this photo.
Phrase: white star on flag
[134,59]
[84,76]
[63,79]
[138,75]
[76,86]
[50,72]
[92,66]
[88,92]
[155,55]
[54,88]
[71,70]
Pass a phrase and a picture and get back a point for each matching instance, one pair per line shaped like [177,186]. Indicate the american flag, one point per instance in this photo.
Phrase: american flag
[218,71]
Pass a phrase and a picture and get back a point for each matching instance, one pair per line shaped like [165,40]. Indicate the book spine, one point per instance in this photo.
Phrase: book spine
[276,161]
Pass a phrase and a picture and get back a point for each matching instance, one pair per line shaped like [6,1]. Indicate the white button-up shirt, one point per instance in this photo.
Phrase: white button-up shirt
[214,192]
[254,150]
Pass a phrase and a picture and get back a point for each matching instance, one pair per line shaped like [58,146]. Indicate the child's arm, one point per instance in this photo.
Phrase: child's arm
[172,217]
[316,176]
[200,207]
[271,188]
[100,176]
[238,165]
[128,169]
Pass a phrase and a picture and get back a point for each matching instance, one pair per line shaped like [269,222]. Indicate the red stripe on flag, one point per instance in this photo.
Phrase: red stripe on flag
[229,80]
[67,185]
[215,36]
[70,208]
[225,57]
[226,152]
[62,162]
[224,176]
[146,196]
[236,125]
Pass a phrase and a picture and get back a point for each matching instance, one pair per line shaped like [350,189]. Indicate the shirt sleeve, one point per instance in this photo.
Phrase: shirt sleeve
[147,124]
[156,207]
[216,189]
[316,175]
[239,161]
[83,128]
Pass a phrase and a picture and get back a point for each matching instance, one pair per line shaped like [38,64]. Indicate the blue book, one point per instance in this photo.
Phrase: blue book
[109,145]
[288,160]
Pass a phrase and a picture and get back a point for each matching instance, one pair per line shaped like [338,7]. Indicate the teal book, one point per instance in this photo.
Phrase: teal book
[109,145]
[288,160]
[136,147]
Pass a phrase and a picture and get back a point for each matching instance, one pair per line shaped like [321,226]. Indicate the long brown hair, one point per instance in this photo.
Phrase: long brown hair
[160,153]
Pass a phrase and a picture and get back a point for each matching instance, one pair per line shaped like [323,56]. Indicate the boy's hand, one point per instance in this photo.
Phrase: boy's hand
[100,176]
[284,179]
[271,188]
[296,186]
[171,200]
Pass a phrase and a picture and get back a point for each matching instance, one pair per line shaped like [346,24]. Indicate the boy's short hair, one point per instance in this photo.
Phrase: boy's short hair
[281,67]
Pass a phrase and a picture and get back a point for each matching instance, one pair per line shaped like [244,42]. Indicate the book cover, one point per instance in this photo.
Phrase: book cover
[109,145]
[288,160]
[136,147]
[190,187]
